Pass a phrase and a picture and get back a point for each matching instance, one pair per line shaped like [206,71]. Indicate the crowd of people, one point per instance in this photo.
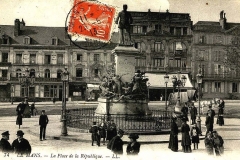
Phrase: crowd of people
[190,134]
[109,132]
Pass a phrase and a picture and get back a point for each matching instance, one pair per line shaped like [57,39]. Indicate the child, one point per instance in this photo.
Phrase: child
[195,135]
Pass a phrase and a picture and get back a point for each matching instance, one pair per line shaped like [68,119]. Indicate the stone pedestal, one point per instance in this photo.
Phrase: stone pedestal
[125,62]
[122,107]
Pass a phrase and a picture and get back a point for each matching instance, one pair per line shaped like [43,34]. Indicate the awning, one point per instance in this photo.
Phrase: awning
[91,87]
[157,81]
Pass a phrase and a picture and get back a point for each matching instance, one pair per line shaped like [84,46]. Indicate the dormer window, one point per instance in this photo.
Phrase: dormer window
[27,40]
[54,41]
[5,39]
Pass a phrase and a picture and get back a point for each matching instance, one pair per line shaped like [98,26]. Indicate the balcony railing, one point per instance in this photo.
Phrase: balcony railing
[37,79]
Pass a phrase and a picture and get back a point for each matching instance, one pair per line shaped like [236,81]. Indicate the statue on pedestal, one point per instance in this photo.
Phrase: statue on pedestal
[125,19]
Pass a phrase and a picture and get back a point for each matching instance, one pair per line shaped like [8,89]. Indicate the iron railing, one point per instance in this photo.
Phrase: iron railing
[82,119]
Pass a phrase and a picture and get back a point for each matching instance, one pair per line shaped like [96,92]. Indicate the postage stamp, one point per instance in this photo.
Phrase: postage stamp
[91,19]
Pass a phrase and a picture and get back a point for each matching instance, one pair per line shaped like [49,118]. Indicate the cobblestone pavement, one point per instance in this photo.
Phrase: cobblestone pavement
[63,149]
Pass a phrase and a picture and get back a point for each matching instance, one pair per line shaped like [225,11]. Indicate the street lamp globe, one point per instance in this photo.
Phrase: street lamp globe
[174,79]
[166,78]
[199,78]
[183,79]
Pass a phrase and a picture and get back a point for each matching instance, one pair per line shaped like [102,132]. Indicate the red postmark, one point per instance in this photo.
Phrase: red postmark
[91,19]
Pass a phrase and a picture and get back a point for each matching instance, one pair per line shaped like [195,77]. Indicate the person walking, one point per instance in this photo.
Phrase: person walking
[186,141]
[209,123]
[102,130]
[173,140]
[133,146]
[32,109]
[218,143]
[111,130]
[193,113]
[43,121]
[195,132]
[116,143]
[5,146]
[184,111]
[220,120]
[208,141]
[20,110]
[21,145]
[95,133]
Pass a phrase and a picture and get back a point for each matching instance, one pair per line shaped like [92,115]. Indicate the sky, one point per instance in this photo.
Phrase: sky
[54,12]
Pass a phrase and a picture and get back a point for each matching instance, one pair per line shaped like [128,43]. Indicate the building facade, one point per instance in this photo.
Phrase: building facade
[163,39]
[211,41]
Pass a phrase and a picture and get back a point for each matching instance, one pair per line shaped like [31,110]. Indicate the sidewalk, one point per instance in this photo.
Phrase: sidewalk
[54,132]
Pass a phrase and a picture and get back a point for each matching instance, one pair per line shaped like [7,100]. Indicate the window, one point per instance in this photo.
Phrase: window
[234,87]
[178,62]
[96,57]
[18,58]
[32,58]
[158,62]
[78,72]
[217,86]
[4,73]
[158,47]
[137,29]
[217,56]
[4,57]
[31,91]
[202,39]
[138,46]
[59,73]
[172,30]
[54,41]
[32,73]
[178,31]
[185,31]
[26,40]
[158,27]
[144,30]
[5,39]
[218,69]
[79,57]
[47,73]
[60,59]
[96,72]
[47,59]
[46,91]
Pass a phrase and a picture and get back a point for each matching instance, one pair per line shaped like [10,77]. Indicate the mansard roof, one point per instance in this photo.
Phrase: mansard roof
[211,26]
[39,35]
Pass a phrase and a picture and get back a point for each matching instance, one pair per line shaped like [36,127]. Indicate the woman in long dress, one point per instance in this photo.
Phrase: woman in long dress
[173,140]
[186,141]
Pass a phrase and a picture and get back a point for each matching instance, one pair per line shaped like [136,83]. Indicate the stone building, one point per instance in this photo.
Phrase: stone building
[164,39]
[211,40]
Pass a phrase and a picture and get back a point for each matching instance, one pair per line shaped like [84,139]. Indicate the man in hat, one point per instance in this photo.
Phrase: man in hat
[218,143]
[95,133]
[5,146]
[133,146]
[43,121]
[111,130]
[116,144]
[209,119]
[21,145]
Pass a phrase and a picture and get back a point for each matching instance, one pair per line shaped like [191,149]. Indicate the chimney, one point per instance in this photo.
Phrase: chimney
[16,27]
[223,20]
[22,24]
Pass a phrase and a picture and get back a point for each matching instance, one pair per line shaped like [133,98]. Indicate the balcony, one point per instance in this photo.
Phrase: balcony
[38,80]
[5,64]
[220,77]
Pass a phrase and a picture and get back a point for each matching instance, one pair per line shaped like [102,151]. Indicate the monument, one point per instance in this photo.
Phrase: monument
[125,91]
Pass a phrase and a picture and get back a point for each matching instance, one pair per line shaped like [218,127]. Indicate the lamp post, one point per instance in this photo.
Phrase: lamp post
[166,79]
[26,80]
[199,82]
[12,91]
[148,84]
[177,82]
[65,79]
